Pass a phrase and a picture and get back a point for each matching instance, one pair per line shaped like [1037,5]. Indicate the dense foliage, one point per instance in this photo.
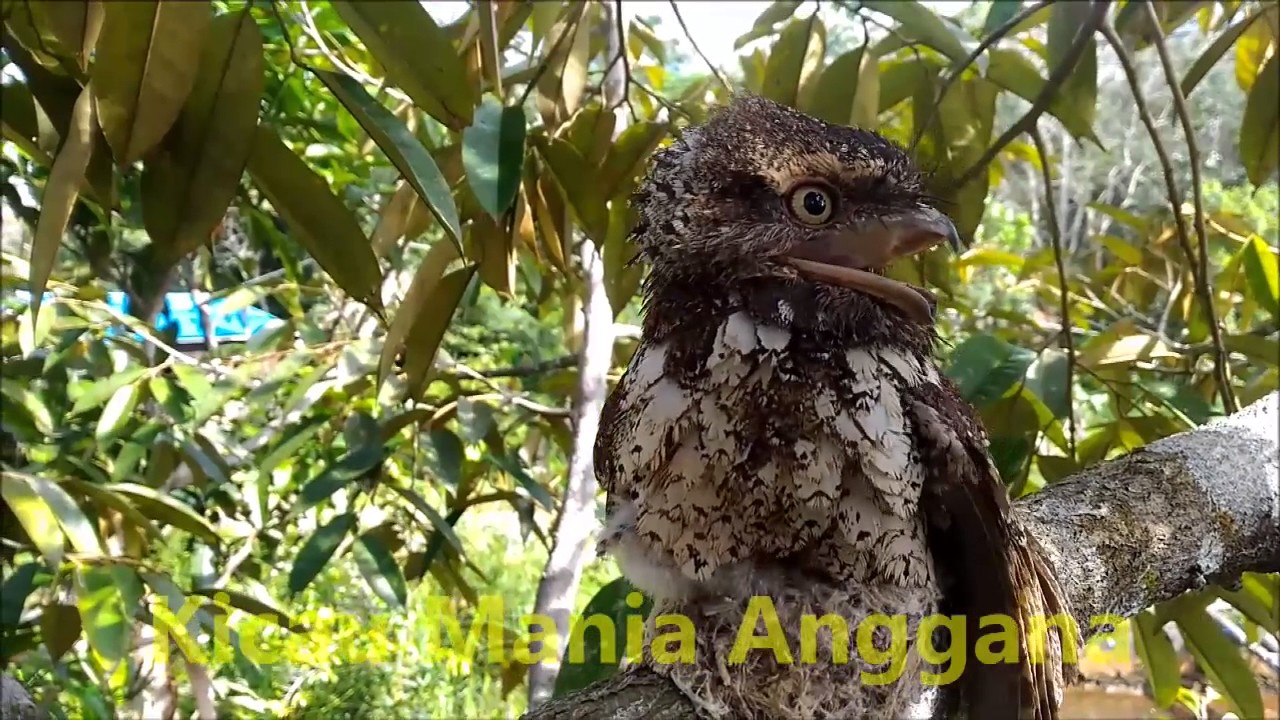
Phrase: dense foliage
[412,196]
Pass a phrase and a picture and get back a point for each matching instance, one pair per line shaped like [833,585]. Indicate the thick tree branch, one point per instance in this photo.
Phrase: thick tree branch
[1197,508]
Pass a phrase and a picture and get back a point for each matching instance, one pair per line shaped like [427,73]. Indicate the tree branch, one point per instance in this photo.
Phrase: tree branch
[1196,508]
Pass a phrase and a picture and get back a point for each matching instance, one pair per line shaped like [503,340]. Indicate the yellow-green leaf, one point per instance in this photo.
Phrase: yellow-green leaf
[187,187]
[162,507]
[1263,272]
[493,154]
[491,246]
[573,79]
[1251,49]
[1260,127]
[415,54]
[69,516]
[838,87]
[1012,71]
[1080,90]
[415,304]
[923,24]
[145,63]
[580,187]
[627,154]
[786,62]
[1221,659]
[316,217]
[34,515]
[767,20]
[106,497]
[429,327]
[103,611]
[1214,52]
[1158,657]
[118,411]
[60,193]
[401,147]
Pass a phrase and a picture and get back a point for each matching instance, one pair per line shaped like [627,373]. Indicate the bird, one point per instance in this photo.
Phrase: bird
[783,429]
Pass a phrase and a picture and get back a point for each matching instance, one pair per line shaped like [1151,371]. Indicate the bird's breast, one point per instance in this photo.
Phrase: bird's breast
[747,440]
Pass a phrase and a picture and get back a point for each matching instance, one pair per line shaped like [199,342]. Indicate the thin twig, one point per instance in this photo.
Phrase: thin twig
[996,36]
[1201,277]
[1084,35]
[626,65]
[680,20]
[520,371]
[1055,235]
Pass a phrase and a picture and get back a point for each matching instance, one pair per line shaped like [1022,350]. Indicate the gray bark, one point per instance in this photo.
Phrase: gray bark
[16,702]
[1196,508]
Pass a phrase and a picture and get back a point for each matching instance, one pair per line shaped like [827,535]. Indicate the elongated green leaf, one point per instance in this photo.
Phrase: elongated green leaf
[347,469]
[1080,90]
[380,570]
[401,148]
[187,187]
[1260,128]
[260,609]
[837,88]
[437,522]
[18,584]
[106,497]
[1014,72]
[72,27]
[60,193]
[596,663]
[415,303]
[416,55]
[317,550]
[574,176]
[1258,611]
[316,217]
[429,327]
[1158,657]
[1252,47]
[515,469]
[145,65]
[167,510]
[34,514]
[924,25]
[1221,660]
[984,367]
[785,63]
[493,154]
[60,627]
[1001,12]
[119,411]
[102,390]
[100,596]
[1263,272]
[1214,53]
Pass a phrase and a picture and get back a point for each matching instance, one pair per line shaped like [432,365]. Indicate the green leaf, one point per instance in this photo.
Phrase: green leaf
[60,192]
[849,90]
[102,390]
[107,497]
[400,146]
[348,468]
[315,553]
[1254,608]
[416,305]
[1214,53]
[187,187]
[34,515]
[1158,657]
[145,65]
[260,609]
[985,367]
[380,570]
[626,158]
[429,327]
[1263,272]
[316,217]
[595,664]
[1080,90]
[168,510]
[785,63]
[416,55]
[1012,71]
[18,584]
[581,190]
[103,612]
[493,154]
[924,25]
[1047,378]
[515,468]
[437,522]
[69,516]
[1221,660]
[1001,12]
[119,411]
[1260,128]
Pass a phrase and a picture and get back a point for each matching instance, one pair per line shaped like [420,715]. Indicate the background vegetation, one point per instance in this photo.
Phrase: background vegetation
[434,202]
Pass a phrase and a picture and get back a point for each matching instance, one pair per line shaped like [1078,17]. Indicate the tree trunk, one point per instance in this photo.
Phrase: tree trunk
[1192,509]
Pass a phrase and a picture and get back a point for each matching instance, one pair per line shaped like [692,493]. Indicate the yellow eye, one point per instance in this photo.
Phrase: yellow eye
[812,204]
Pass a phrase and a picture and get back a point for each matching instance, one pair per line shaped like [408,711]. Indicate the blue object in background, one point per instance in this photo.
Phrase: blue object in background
[182,309]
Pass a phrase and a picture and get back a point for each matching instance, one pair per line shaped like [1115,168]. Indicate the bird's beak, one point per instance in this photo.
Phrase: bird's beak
[849,257]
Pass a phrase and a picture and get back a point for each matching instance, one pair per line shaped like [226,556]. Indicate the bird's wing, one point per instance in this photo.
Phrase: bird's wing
[994,566]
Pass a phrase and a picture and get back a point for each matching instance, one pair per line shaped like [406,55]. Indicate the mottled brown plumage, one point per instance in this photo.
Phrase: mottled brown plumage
[784,433]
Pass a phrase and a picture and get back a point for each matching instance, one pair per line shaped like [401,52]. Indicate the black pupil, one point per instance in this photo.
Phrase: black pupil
[815,203]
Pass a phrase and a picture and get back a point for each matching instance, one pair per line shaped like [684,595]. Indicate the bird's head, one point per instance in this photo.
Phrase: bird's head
[761,193]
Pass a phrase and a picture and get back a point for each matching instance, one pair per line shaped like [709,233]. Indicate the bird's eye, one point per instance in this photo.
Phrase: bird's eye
[811,204]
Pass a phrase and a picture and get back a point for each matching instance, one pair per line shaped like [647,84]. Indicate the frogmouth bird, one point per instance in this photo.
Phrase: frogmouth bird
[783,431]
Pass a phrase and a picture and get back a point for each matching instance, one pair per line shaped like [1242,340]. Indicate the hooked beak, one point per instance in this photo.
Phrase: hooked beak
[850,257]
